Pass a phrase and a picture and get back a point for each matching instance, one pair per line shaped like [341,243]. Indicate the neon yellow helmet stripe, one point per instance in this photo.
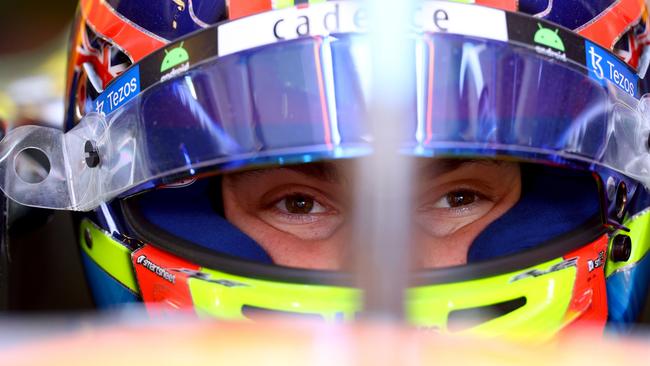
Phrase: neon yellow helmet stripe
[109,254]
[547,298]
[222,295]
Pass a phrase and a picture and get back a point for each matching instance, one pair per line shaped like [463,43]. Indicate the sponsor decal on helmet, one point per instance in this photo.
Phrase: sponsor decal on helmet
[121,91]
[339,17]
[563,44]
[554,268]
[207,277]
[177,61]
[548,37]
[596,263]
[159,66]
[174,57]
[153,267]
[551,41]
[603,66]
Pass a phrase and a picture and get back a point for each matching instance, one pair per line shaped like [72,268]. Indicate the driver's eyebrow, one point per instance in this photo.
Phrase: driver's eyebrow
[331,172]
[441,167]
[324,171]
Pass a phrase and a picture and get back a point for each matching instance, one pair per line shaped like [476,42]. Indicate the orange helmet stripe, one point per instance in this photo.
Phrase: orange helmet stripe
[242,8]
[510,5]
[135,41]
[608,27]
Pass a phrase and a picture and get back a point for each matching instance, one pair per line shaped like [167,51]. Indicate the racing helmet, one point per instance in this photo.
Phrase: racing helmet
[177,113]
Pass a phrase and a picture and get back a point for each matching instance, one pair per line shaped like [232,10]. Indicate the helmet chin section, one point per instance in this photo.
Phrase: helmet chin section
[537,301]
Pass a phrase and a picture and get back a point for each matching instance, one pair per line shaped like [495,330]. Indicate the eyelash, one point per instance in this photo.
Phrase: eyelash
[303,212]
[315,203]
[476,197]
[444,221]
[462,210]
[278,206]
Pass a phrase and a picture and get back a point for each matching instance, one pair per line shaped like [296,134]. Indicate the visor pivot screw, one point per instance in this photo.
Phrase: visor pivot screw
[88,238]
[621,248]
[621,200]
[92,155]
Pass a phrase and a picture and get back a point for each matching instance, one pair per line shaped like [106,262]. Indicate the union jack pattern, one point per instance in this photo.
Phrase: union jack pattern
[97,62]
[630,46]
[101,59]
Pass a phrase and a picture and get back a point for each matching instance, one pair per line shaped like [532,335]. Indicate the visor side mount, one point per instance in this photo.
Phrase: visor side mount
[621,248]
[32,165]
[91,154]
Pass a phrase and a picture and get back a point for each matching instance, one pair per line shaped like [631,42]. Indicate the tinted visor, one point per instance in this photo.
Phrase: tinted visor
[305,100]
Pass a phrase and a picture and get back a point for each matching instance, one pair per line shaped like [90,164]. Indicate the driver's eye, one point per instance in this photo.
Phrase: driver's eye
[458,198]
[461,198]
[299,204]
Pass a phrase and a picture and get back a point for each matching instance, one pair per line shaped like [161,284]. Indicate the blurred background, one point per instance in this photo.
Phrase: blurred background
[39,265]
[28,24]
[32,58]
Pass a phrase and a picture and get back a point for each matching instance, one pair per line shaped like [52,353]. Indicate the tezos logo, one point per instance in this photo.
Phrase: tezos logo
[603,66]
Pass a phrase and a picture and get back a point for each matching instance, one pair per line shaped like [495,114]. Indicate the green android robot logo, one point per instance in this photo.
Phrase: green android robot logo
[174,57]
[549,38]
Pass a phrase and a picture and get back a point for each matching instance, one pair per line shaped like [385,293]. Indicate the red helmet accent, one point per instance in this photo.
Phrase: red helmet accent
[589,300]
[135,41]
[608,27]
[162,279]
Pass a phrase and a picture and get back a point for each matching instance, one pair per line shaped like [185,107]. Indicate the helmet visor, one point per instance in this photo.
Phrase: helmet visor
[306,99]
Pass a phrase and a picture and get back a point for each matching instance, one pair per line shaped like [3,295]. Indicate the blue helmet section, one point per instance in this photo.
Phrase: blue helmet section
[568,13]
[171,19]
[553,202]
[627,288]
[627,291]
[107,292]
[188,213]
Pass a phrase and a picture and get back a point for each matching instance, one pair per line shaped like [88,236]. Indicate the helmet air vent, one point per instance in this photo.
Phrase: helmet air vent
[463,319]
